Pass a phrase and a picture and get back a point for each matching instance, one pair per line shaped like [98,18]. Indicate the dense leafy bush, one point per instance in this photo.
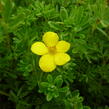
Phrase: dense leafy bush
[83,83]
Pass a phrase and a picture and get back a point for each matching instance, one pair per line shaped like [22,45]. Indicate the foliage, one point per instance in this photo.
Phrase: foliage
[83,83]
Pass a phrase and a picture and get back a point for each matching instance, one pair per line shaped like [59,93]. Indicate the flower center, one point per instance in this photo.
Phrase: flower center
[52,50]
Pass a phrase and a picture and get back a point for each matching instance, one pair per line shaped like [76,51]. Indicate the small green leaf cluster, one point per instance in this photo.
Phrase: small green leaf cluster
[52,88]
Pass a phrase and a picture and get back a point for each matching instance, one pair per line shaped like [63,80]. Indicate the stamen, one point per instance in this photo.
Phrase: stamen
[52,50]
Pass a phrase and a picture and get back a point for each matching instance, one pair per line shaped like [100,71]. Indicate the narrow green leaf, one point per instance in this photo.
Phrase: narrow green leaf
[63,14]
[58,81]
[50,78]
[49,96]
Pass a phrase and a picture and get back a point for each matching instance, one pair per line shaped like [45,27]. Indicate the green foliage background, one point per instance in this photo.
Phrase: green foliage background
[83,83]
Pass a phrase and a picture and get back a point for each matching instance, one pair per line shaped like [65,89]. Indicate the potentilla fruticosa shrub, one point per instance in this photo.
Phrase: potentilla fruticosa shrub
[54,54]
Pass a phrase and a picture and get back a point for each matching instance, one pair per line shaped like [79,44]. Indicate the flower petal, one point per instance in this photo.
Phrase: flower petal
[62,46]
[39,48]
[61,58]
[50,39]
[46,63]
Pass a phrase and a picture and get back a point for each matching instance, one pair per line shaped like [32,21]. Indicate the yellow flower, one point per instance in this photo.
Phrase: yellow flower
[53,51]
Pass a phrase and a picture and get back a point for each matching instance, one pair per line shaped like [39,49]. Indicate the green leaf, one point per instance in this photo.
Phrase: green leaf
[64,89]
[43,87]
[50,78]
[44,84]
[54,25]
[49,97]
[7,9]
[103,32]
[63,14]
[58,81]
[75,93]
[78,106]
[56,94]
[86,107]
[13,96]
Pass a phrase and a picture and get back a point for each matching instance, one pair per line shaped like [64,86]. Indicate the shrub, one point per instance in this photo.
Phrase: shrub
[82,83]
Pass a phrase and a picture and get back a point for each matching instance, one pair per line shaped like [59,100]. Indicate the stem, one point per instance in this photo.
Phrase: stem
[4,93]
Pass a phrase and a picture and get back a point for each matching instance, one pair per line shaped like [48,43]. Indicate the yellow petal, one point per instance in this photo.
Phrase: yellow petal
[50,39]
[62,46]
[46,63]
[61,58]
[39,48]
